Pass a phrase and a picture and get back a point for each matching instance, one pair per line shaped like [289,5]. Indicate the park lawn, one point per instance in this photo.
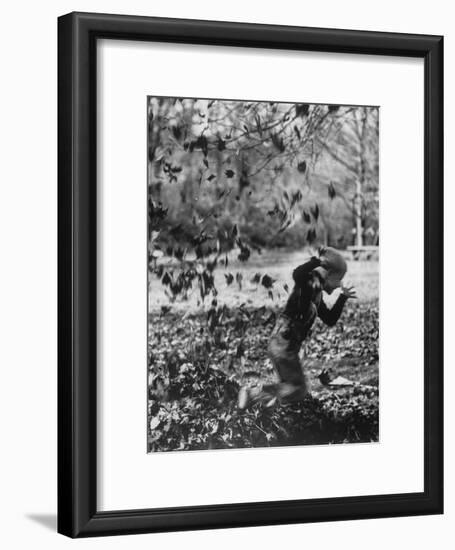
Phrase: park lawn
[238,345]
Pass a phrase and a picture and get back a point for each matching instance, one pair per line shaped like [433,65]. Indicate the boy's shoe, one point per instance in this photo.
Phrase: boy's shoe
[243,399]
[249,396]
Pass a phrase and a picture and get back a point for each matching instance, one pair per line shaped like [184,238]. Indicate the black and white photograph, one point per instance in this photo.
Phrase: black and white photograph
[263,274]
[226,223]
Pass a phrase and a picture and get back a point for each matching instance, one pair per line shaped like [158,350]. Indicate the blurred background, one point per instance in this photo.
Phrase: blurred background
[277,170]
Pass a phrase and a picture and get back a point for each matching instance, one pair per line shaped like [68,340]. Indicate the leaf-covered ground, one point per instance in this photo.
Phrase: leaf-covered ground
[197,362]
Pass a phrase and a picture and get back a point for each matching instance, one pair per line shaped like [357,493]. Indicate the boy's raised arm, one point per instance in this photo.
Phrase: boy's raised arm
[301,273]
[331,316]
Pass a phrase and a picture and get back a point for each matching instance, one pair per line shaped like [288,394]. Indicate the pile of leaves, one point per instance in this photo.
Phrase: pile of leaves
[197,365]
[329,418]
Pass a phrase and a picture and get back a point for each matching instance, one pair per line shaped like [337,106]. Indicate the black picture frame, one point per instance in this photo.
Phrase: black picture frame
[77,222]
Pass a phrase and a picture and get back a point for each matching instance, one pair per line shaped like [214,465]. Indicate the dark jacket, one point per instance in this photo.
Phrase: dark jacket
[305,302]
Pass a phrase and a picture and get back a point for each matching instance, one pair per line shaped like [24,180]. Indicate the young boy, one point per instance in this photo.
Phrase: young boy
[292,327]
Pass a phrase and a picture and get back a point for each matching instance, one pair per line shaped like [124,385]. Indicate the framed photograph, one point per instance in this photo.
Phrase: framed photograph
[250,274]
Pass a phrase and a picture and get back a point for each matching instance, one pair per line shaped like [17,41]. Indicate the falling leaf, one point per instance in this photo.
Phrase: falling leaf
[166,280]
[256,279]
[274,211]
[267,281]
[301,167]
[302,109]
[258,125]
[239,279]
[296,197]
[311,235]
[244,253]
[285,226]
[177,131]
[278,142]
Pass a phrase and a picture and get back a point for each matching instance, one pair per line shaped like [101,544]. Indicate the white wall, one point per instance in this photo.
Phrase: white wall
[28,269]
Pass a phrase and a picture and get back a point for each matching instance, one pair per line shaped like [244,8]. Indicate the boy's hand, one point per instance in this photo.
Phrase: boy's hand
[321,252]
[348,291]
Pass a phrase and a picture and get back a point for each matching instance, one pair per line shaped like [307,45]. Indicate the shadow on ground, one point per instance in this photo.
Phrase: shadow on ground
[49,521]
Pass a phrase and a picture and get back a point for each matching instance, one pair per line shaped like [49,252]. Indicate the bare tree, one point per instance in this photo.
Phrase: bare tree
[353,143]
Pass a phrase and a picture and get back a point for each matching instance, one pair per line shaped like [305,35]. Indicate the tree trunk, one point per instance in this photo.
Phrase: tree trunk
[358,213]
[360,182]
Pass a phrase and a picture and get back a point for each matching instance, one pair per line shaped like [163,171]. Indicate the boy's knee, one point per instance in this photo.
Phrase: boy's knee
[275,346]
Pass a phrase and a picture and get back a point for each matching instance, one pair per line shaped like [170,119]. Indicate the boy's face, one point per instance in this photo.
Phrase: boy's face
[329,280]
[331,283]
[335,268]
